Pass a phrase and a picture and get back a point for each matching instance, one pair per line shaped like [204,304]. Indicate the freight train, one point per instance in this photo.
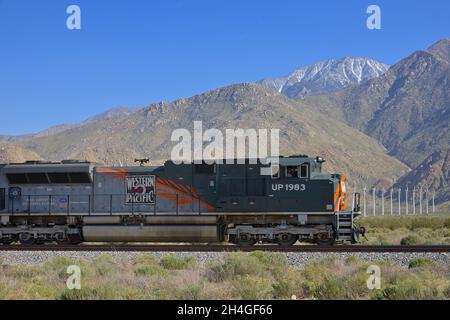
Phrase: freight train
[71,202]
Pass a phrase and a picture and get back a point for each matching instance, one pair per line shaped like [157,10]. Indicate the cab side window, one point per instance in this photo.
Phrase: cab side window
[291,172]
[304,171]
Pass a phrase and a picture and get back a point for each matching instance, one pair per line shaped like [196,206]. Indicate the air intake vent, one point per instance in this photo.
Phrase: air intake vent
[73,161]
[36,162]
[299,156]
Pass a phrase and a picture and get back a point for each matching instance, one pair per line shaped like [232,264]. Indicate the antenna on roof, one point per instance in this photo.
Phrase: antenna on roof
[142,161]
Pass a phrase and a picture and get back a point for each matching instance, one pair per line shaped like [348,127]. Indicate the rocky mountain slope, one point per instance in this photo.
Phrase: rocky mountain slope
[147,132]
[13,154]
[111,113]
[432,174]
[327,76]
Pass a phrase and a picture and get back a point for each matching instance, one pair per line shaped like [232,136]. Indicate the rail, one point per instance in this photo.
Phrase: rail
[445,249]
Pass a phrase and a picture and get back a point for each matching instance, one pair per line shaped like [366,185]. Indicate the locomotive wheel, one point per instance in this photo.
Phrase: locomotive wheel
[244,240]
[287,239]
[61,239]
[26,238]
[323,239]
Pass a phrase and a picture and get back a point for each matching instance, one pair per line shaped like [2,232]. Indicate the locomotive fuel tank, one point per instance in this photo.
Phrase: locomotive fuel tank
[151,233]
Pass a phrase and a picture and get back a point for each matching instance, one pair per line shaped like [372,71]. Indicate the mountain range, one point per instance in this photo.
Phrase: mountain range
[381,125]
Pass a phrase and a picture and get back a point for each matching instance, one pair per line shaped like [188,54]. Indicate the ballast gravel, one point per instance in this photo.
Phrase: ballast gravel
[297,259]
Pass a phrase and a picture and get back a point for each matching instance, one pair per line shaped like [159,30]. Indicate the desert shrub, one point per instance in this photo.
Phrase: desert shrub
[151,270]
[61,262]
[42,290]
[329,278]
[87,293]
[193,291]
[216,272]
[104,257]
[270,259]
[283,287]
[60,265]
[287,283]
[447,223]
[411,223]
[350,260]
[318,277]
[23,271]
[173,262]
[447,293]
[327,287]
[103,268]
[146,259]
[409,289]
[420,262]
[443,232]
[235,264]
[409,240]
[250,287]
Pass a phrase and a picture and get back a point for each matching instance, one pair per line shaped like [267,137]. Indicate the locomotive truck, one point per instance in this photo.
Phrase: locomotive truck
[72,202]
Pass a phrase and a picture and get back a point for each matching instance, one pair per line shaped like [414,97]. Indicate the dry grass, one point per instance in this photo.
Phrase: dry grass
[406,230]
[258,275]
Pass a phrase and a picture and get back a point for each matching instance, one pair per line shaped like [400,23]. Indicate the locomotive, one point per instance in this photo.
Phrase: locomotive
[71,202]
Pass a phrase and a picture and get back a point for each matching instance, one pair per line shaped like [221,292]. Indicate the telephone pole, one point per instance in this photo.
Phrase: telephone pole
[364,201]
[374,201]
[406,193]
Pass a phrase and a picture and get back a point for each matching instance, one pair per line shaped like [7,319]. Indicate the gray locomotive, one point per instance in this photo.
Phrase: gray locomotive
[75,201]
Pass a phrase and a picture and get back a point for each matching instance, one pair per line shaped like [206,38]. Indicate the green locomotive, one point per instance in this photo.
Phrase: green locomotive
[74,202]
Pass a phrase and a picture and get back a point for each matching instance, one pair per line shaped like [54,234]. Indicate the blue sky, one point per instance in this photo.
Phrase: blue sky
[133,53]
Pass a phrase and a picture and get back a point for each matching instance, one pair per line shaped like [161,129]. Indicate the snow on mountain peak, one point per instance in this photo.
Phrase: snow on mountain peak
[326,76]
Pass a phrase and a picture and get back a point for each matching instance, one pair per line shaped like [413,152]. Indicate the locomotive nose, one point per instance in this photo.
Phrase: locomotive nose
[340,193]
[343,193]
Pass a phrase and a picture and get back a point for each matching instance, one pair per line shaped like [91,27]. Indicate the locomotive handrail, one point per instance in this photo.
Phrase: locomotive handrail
[45,204]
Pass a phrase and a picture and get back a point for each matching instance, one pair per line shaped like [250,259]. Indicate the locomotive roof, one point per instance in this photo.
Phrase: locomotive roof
[86,166]
[286,161]
[41,166]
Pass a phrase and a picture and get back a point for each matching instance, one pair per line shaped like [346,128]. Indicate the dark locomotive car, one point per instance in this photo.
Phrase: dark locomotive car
[72,202]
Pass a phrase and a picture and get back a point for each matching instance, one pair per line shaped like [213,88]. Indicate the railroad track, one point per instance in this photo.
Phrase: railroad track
[226,248]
